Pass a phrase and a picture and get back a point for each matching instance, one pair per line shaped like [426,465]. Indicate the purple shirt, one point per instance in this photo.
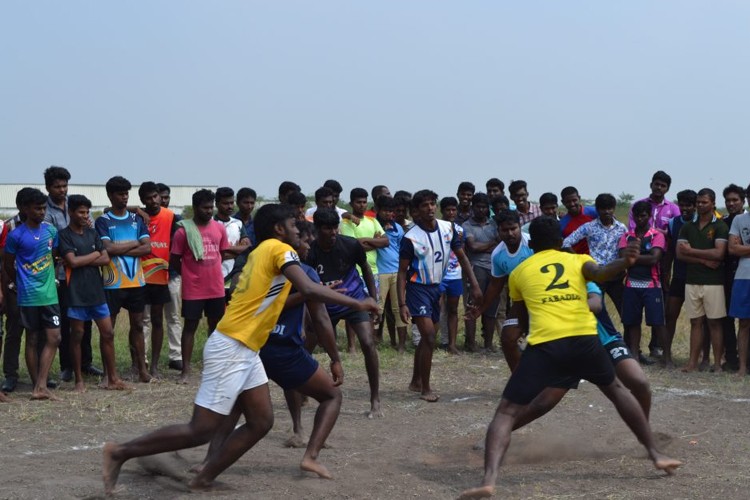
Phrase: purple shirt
[661,214]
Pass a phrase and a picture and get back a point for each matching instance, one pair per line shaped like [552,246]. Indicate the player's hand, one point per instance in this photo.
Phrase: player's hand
[355,220]
[632,251]
[337,373]
[476,297]
[403,311]
[336,286]
[472,312]
[370,306]
[146,218]
[375,318]
[711,264]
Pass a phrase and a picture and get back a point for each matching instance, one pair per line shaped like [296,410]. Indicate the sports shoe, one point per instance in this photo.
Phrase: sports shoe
[9,384]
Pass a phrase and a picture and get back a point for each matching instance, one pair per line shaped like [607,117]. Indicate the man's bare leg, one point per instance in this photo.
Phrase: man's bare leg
[632,414]
[364,332]
[188,337]
[294,404]
[423,359]
[320,387]
[49,350]
[743,338]
[674,304]
[111,379]
[451,305]
[634,339]
[138,347]
[717,342]
[631,374]
[171,438]
[76,335]
[351,348]
[256,407]
[696,344]
[157,337]
[488,332]
[496,444]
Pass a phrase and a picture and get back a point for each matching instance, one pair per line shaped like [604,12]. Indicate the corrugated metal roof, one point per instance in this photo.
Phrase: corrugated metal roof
[181,195]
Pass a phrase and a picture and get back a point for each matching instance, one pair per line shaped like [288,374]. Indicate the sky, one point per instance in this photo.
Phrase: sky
[410,94]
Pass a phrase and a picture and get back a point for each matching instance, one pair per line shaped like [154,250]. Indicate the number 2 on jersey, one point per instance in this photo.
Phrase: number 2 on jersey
[559,270]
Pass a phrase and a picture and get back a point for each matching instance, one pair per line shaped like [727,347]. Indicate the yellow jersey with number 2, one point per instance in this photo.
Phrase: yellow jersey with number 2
[552,286]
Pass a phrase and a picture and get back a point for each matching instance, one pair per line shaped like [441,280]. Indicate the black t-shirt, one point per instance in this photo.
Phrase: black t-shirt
[85,287]
[339,263]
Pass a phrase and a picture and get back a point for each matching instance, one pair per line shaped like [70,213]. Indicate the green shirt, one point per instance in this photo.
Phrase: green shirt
[368,228]
[704,239]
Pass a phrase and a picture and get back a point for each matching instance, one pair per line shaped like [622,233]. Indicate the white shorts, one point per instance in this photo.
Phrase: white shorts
[229,368]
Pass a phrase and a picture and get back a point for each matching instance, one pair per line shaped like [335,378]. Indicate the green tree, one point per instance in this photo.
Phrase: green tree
[625,198]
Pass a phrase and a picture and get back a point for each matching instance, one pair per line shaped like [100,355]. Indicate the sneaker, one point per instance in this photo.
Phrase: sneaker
[657,352]
[9,384]
[175,364]
[644,360]
[52,384]
[93,370]
[66,375]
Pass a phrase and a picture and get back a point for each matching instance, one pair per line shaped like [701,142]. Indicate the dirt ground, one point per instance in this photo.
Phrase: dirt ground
[418,450]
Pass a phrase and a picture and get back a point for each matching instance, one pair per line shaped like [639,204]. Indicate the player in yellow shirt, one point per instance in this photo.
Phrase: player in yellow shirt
[549,296]
[233,375]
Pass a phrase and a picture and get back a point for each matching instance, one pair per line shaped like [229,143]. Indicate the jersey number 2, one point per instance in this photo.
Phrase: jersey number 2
[559,270]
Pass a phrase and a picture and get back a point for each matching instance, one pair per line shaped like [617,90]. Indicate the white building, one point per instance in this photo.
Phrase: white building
[182,196]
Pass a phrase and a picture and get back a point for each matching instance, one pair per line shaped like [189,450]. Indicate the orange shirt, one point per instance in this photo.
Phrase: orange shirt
[156,264]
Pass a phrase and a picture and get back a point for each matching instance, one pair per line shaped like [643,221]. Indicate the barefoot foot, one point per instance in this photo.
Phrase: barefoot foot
[110,467]
[481,492]
[311,465]
[295,441]
[415,387]
[668,465]
[430,397]
[80,387]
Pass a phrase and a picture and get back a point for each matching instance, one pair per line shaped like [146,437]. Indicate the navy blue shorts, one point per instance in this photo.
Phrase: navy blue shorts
[740,305]
[452,288]
[290,366]
[618,351]
[635,300]
[559,363]
[423,301]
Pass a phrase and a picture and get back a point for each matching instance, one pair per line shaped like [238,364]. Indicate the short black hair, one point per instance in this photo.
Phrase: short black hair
[78,200]
[545,234]
[734,188]
[224,192]
[548,199]
[499,200]
[708,192]
[203,196]
[466,186]
[326,217]
[507,216]
[401,201]
[21,196]
[357,193]
[515,186]
[145,188]
[402,194]
[640,207]
[55,173]
[163,187]
[494,182]
[267,217]
[334,185]
[376,190]
[323,192]
[33,197]
[448,201]
[296,199]
[661,175]
[687,196]
[304,228]
[246,193]
[422,196]
[288,186]
[605,200]
[117,184]
[385,203]
[567,191]
[480,198]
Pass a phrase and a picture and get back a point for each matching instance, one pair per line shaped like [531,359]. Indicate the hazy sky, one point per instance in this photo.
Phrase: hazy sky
[411,94]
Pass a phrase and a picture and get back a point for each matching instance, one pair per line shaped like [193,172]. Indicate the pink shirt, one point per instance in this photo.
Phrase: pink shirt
[641,276]
[202,279]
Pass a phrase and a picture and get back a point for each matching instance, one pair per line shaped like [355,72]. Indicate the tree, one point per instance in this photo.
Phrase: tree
[625,198]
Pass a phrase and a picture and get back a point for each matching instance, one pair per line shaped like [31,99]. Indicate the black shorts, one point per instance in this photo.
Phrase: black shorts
[132,299]
[195,309]
[157,294]
[352,316]
[559,363]
[38,318]
[618,351]
[677,288]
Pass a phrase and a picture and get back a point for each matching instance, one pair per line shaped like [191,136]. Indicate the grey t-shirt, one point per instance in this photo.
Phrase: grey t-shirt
[480,233]
[741,227]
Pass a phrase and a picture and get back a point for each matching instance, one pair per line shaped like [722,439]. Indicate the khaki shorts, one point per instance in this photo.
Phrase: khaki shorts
[705,300]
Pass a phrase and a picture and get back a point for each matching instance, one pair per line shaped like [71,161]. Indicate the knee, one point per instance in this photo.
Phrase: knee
[54,337]
[264,421]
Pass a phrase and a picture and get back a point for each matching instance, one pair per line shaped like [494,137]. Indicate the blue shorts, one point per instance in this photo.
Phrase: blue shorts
[635,300]
[452,288]
[89,313]
[740,305]
[290,366]
[423,301]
